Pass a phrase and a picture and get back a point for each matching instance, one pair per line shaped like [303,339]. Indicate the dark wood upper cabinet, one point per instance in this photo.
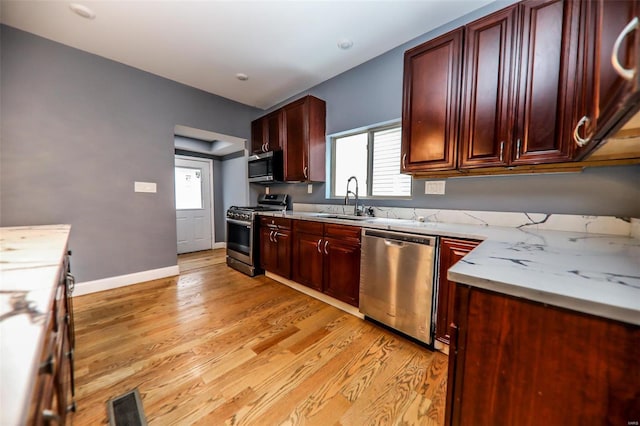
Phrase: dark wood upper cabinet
[517,96]
[267,133]
[298,129]
[430,111]
[304,140]
[606,97]
[257,140]
[486,99]
[548,53]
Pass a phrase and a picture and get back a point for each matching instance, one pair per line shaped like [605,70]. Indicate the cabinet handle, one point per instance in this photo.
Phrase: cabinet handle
[326,243]
[266,147]
[305,172]
[50,416]
[627,74]
[318,246]
[48,366]
[271,236]
[71,284]
[501,151]
[275,237]
[404,161]
[584,121]
[518,149]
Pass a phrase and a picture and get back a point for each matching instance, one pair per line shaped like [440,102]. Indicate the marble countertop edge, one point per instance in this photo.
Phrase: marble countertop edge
[599,308]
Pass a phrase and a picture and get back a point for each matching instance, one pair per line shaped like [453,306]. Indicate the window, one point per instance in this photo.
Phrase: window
[188,188]
[373,157]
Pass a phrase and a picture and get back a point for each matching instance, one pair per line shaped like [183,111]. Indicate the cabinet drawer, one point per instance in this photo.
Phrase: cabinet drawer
[308,227]
[276,222]
[342,231]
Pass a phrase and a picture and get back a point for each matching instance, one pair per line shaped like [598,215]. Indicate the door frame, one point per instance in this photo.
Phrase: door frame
[211,190]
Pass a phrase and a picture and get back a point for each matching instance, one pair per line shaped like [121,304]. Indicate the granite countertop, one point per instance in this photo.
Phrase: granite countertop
[596,274]
[31,259]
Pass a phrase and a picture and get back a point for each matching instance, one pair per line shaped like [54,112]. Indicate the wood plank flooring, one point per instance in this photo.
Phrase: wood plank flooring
[214,347]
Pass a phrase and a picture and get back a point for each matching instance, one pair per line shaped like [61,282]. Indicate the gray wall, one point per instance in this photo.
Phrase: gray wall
[77,131]
[372,93]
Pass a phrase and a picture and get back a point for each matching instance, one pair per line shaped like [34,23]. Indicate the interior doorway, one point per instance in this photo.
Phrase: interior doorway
[194,204]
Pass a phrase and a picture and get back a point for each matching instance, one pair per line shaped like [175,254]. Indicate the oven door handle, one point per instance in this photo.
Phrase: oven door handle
[239,222]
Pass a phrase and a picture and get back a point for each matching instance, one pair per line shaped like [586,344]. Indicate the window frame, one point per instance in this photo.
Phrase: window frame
[370,154]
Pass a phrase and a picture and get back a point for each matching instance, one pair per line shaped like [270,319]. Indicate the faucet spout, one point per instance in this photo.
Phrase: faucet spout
[346,197]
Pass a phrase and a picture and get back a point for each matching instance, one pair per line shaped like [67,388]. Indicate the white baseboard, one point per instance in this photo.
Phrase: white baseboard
[110,283]
[219,245]
[317,295]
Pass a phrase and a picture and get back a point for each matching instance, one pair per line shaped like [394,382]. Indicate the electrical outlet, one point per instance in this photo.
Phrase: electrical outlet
[310,188]
[434,187]
[144,187]
[266,190]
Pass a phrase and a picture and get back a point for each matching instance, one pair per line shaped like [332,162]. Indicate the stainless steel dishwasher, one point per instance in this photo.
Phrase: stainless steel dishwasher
[396,281]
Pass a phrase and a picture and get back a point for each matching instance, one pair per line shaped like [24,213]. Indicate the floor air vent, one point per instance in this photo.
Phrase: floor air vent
[126,410]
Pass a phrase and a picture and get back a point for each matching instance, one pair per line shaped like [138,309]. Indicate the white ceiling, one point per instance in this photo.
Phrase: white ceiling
[285,47]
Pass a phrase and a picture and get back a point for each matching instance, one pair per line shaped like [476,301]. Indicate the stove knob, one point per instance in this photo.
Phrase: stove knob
[246,216]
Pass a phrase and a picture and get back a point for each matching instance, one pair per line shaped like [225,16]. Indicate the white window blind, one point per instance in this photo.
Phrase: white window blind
[386,177]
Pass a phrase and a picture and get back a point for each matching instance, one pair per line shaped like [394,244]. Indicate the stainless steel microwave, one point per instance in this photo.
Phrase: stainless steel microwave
[266,167]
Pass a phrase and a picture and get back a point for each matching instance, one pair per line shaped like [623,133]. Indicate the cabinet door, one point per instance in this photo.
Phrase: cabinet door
[342,269]
[282,239]
[486,107]
[273,128]
[295,134]
[451,251]
[308,259]
[430,111]
[522,362]
[603,89]
[257,140]
[548,52]
[268,252]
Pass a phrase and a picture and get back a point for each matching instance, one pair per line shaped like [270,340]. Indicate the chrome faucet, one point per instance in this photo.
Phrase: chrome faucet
[356,211]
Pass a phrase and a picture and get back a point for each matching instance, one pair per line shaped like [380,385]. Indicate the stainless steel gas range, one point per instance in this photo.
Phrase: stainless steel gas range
[242,232]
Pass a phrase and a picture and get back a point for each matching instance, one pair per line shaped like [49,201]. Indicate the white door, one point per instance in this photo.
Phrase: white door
[193,204]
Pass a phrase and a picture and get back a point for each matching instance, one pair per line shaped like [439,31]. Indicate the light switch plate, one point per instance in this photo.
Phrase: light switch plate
[144,187]
[310,188]
[434,187]
[266,190]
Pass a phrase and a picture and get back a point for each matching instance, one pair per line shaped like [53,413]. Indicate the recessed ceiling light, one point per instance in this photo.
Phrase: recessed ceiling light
[82,10]
[242,77]
[345,44]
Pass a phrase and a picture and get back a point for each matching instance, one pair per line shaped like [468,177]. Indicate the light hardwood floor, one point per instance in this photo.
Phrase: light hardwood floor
[214,347]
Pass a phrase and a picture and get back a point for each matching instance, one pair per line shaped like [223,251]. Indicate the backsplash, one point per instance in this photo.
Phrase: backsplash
[556,222]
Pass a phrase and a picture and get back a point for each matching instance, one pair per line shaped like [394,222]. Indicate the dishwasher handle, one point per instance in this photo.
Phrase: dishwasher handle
[399,238]
[393,243]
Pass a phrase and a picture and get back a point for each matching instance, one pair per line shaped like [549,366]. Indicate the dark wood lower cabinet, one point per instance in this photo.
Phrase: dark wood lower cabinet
[53,398]
[326,258]
[308,258]
[275,246]
[342,269]
[451,251]
[517,362]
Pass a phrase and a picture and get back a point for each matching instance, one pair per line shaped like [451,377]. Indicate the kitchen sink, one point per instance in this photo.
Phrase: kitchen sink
[347,217]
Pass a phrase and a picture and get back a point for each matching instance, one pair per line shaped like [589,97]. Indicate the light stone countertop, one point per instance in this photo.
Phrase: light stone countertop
[596,274]
[31,259]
